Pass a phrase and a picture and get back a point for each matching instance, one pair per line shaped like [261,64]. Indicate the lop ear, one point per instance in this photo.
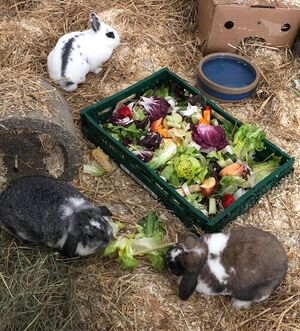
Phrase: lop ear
[104,211]
[95,21]
[187,285]
[193,260]
[70,246]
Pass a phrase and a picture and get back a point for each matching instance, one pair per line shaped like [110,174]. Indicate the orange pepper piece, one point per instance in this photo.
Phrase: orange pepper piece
[207,115]
[162,132]
[203,121]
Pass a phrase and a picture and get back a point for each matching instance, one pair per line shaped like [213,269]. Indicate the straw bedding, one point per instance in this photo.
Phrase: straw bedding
[42,291]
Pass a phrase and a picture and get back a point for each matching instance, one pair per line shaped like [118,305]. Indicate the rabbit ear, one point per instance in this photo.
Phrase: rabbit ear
[193,259]
[95,21]
[104,211]
[191,242]
[187,285]
[70,246]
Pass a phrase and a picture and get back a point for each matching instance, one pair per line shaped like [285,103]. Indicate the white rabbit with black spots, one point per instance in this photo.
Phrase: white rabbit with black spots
[78,53]
[49,212]
[245,263]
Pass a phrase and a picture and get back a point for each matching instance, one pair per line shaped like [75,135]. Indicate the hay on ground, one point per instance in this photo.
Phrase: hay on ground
[39,290]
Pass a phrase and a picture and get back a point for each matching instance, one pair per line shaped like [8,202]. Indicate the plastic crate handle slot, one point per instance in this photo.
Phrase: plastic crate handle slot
[138,181]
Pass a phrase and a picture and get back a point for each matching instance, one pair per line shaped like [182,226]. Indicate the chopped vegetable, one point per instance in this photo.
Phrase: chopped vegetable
[212,206]
[121,116]
[161,156]
[94,170]
[144,155]
[157,126]
[156,107]
[130,133]
[203,121]
[262,170]
[151,141]
[207,114]
[187,190]
[208,186]
[228,200]
[234,169]
[190,168]
[179,137]
[123,112]
[147,241]
[229,184]
[248,139]
[209,137]
[102,159]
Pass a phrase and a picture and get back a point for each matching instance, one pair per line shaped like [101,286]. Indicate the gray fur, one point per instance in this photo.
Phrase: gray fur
[46,211]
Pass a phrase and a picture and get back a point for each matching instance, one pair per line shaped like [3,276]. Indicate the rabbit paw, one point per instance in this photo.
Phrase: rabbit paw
[240,304]
[97,71]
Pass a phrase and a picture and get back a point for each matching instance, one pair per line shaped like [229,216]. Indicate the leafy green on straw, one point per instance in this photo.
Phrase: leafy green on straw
[94,170]
[148,241]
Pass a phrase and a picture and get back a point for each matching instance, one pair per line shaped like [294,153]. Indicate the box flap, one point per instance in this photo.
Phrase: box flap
[261,3]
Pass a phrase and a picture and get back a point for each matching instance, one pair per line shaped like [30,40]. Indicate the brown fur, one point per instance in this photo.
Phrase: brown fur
[254,260]
[259,260]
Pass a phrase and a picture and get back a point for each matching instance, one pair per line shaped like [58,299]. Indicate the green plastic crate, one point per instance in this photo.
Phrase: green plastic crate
[150,180]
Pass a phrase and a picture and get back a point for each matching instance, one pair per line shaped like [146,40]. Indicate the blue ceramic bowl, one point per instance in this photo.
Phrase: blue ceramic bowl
[227,77]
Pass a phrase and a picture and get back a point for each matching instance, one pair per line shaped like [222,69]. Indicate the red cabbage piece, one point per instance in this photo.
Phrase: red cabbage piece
[141,124]
[120,121]
[209,137]
[151,141]
[145,155]
[156,107]
[121,116]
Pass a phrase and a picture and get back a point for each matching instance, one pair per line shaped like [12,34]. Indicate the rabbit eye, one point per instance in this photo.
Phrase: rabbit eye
[110,34]
[90,236]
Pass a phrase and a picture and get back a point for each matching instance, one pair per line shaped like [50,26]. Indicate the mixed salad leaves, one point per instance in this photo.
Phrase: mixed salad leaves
[148,241]
[209,162]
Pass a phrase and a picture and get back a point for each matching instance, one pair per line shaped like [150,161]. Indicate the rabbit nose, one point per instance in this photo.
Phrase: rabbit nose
[110,35]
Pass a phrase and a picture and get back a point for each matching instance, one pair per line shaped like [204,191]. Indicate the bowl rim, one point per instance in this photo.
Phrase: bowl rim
[224,89]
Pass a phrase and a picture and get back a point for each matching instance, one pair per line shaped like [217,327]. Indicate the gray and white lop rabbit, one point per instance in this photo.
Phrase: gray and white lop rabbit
[78,53]
[46,211]
[246,263]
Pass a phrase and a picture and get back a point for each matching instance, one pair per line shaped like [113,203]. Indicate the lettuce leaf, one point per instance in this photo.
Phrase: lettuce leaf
[262,170]
[147,241]
[163,155]
[248,139]
[230,184]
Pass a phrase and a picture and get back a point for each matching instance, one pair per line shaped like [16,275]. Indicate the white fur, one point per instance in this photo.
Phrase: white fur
[217,268]
[216,244]
[84,250]
[175,253]
[203,288]
[240,304]
[77,202]
[66,211]
[95,224]
[71,204]
[263,298]
[89,51]
[60,243]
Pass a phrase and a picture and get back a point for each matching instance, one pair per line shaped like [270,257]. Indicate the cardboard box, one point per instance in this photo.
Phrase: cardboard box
[224,22]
